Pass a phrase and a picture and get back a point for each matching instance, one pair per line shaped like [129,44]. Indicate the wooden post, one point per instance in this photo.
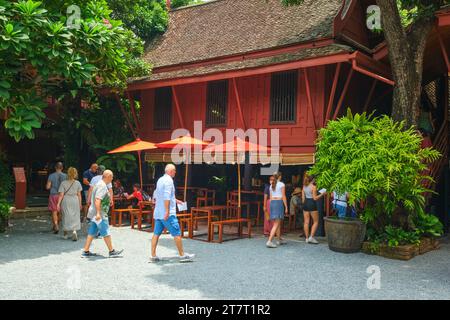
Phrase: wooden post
[177,106]
[132,129]
[308,94]
[369,97]
[238,103]
[444,51]
[133,112]
[333,93]
[186,163]
[344,92]
[140,168]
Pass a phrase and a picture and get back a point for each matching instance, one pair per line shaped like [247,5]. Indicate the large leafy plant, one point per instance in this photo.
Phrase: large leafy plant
[380,163]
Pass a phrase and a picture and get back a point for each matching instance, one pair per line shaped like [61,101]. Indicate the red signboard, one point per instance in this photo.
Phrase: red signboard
[21,187]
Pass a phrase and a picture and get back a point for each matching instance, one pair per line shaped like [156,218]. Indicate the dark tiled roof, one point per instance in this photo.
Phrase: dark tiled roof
[249,63]
[227,27]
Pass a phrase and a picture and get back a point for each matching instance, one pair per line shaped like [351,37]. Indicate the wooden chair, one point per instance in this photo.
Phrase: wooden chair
[185,219]
[206,197]
[141,213]
[232,218]
[118,213]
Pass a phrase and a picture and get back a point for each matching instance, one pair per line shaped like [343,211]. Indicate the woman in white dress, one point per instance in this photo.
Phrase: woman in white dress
[69,203]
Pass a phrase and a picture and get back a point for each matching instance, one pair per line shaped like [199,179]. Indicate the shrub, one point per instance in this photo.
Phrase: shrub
[381,164]
[6,181]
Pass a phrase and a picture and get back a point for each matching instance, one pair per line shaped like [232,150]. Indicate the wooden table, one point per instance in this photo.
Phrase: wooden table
[247,203]
[209,211]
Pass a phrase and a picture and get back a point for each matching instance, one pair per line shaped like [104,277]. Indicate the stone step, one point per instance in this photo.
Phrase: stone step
[30,212]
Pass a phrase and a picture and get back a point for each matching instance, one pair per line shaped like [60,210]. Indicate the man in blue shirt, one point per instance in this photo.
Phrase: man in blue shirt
[165,214]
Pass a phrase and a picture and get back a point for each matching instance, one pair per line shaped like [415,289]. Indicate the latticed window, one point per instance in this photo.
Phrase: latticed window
[283,97]
[162,117]
[216,103]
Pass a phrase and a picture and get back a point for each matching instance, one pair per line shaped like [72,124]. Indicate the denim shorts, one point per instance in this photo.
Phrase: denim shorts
[102,228]
[170,224]
[341,210]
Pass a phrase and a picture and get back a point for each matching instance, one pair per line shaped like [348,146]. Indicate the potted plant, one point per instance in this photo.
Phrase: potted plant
[381,165]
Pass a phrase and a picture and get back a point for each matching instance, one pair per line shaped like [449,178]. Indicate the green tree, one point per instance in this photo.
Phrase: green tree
[42,55]
[406,25]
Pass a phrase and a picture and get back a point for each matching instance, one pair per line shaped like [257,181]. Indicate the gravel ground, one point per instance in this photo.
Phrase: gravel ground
[35,264]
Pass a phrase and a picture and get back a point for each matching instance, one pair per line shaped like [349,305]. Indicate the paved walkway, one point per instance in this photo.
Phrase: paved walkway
[35,264]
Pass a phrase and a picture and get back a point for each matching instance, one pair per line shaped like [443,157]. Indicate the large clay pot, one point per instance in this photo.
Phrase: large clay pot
[345,235]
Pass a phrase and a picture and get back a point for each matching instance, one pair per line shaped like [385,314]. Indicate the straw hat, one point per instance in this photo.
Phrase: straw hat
[297,191]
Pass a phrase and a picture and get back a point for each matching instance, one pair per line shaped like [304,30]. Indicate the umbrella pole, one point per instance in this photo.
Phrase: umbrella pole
[186,176]
[239,190]
[140,168]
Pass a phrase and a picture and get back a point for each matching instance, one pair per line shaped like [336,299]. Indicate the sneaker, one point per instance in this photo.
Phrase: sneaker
[313,240]
[306,240]
[187,257]
[115,253]
[88,254]
[281,242]
[74,236]
[65,236]
[155,259]
[270,244]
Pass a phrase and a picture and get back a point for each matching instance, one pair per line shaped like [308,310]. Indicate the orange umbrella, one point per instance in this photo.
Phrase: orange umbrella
[136,146]
[186,142]
[238,146]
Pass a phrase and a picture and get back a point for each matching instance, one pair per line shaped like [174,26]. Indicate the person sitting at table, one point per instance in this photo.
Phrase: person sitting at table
[295,207]
[135,197]
[118,189]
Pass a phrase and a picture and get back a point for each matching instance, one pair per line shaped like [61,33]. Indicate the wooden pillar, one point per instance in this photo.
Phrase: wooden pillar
[177,106]
[247,173]
[332,94]
[238,103]
[343,94]
[369,97]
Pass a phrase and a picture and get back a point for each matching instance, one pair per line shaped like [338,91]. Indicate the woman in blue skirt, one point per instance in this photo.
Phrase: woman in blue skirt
[278,209]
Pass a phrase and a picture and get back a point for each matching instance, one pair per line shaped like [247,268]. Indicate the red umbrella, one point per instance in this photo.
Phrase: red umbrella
[186,142]
[238,146]
[138,145]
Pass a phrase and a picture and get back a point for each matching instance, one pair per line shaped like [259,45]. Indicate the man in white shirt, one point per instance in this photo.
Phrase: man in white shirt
[165,214]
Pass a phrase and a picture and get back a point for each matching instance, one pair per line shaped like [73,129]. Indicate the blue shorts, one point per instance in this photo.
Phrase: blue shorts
[341,210]
[170,224]
[102,228]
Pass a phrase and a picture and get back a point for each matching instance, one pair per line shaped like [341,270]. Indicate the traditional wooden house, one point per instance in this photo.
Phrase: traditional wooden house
[258,64]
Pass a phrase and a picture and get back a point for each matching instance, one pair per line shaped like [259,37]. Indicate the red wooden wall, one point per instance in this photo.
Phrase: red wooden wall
[255,101]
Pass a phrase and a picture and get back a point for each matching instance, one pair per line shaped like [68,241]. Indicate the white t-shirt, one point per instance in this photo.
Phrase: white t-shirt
[97,179]
[277,192]
[340,199]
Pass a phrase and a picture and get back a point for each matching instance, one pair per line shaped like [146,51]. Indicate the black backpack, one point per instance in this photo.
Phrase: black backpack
[145,196]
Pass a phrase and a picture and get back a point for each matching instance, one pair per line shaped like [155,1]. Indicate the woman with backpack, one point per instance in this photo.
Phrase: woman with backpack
[69,203]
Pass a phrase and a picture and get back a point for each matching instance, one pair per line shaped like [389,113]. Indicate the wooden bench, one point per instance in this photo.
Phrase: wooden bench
[119,213]
[185,219]
[140,213]
[221,223]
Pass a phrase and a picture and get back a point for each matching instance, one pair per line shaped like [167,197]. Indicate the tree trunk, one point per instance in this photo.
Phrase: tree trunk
[406,53]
